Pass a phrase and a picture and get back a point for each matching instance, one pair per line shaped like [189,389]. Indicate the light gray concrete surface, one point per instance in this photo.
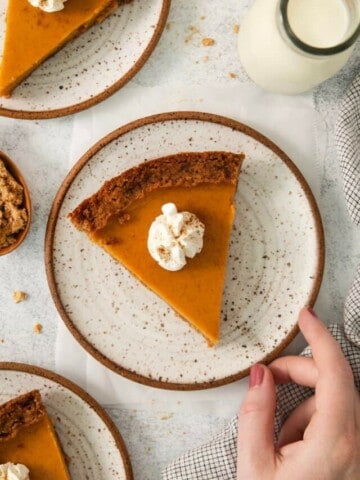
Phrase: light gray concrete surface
[41,149]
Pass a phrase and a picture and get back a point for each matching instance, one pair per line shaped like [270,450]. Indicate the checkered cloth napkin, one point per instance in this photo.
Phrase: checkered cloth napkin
[217,459]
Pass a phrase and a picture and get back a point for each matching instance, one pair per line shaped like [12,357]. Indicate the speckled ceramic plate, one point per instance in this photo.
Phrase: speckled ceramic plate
[88,437]
[91,67]
[275,260]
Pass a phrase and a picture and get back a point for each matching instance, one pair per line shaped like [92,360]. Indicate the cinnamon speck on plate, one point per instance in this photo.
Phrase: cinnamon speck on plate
[208,42]
[193,31]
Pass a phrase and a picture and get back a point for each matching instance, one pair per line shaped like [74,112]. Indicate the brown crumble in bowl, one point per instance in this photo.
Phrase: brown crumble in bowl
[13,215]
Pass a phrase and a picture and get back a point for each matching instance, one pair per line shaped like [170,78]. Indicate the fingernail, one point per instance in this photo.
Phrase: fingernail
[256,376]
[311,311]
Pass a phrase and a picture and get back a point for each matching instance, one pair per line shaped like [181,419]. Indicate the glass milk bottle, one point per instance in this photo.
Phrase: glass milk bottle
[289,46]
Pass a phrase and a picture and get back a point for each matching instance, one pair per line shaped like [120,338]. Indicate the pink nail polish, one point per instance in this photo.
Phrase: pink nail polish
[311,311]
[256,375]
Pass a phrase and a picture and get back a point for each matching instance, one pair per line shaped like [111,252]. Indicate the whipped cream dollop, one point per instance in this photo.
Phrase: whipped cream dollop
[49,6]
[10,471]
[173,236]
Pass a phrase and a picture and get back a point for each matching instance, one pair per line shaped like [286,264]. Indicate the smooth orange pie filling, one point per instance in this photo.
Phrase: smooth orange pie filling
[201,183]
[27,436]
[33,35]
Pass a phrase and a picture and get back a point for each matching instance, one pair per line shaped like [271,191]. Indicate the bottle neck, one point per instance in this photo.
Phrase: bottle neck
[289,35]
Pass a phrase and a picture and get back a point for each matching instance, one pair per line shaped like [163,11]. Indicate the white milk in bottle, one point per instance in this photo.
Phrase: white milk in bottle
[289,46]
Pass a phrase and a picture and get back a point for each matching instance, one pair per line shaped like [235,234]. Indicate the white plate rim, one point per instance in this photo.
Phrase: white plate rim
[157,118]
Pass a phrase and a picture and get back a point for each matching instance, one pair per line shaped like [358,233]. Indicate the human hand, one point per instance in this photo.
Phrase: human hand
[321,438]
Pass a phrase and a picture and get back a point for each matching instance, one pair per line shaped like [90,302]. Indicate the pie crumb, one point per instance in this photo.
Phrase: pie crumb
[208,42]
[232,75]
[19,296]
[166,416]
[236,28]
[38,328]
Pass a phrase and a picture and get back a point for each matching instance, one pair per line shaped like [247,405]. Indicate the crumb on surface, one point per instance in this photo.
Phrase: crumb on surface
[38,328]
[202,17]
[206,58]
[19,296]
[208,42]
[166,416]
[236,28]
[232,75]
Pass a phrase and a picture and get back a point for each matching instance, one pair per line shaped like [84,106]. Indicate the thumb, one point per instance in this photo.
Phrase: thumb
[256,451]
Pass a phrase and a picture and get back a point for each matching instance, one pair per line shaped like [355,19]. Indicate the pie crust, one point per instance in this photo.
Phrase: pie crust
[186,170]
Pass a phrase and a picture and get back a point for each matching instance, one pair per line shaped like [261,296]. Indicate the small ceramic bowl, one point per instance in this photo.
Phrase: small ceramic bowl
[15,172]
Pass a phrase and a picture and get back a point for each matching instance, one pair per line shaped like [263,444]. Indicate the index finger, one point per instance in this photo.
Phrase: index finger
[335,384]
